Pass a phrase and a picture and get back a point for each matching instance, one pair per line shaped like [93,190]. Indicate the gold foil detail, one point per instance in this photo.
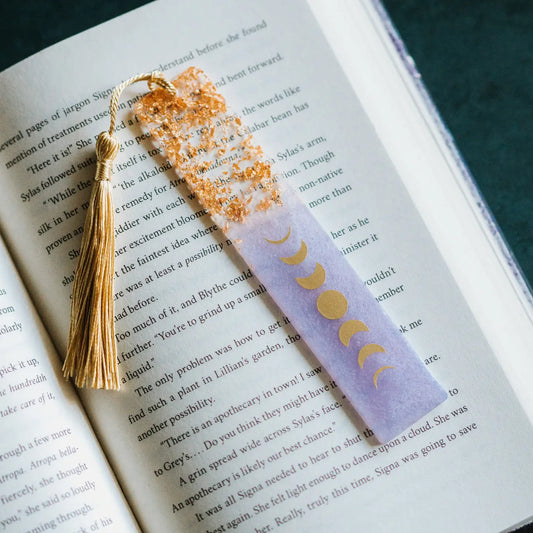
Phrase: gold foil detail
[332,304]
[298,257]
[378,372]
[350,328]
[368,350]
[314,280]
[281,241]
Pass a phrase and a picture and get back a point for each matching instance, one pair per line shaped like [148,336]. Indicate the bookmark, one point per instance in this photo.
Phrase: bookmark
[290,254]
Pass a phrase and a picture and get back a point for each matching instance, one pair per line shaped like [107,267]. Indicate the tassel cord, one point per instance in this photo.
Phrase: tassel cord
[153,78]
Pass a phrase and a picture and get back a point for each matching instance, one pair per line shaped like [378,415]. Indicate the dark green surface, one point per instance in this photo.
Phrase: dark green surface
[475,58]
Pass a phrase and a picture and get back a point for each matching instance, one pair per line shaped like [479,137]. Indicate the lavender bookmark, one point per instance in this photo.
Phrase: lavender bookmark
[290,253]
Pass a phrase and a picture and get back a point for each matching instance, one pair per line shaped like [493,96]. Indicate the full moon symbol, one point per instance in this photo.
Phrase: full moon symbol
[314,280]
[332,304]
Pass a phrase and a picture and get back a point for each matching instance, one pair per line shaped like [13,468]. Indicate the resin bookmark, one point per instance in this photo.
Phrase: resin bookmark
[291,255]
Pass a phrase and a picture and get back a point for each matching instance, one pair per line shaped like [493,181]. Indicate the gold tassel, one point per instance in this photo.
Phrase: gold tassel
[92,353]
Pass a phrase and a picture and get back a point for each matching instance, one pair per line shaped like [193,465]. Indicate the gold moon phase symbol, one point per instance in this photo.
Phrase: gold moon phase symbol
[366,350]
[314,280]
[332,304]
[281,241]
[298,257]
[350,328]
[378,372]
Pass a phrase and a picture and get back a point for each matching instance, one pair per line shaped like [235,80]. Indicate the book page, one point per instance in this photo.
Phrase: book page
[225,419]
[53,474]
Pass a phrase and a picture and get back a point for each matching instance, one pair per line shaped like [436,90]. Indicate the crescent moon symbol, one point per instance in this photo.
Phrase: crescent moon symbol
[281,241]
[367,350]
[298,257]
[350,328]
[378,372]
[314,280]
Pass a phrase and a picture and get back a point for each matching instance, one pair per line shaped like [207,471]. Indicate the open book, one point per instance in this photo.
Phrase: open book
[225,420]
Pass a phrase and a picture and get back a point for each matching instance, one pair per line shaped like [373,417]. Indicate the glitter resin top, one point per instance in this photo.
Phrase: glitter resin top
[212,150]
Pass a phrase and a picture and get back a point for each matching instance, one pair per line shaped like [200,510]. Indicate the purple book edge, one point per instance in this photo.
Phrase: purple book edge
[487,217]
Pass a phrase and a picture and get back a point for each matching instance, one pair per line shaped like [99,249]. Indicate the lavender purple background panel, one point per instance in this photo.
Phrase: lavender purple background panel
[404,393]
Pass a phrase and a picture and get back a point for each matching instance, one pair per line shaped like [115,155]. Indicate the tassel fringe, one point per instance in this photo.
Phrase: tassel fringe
[91,353]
